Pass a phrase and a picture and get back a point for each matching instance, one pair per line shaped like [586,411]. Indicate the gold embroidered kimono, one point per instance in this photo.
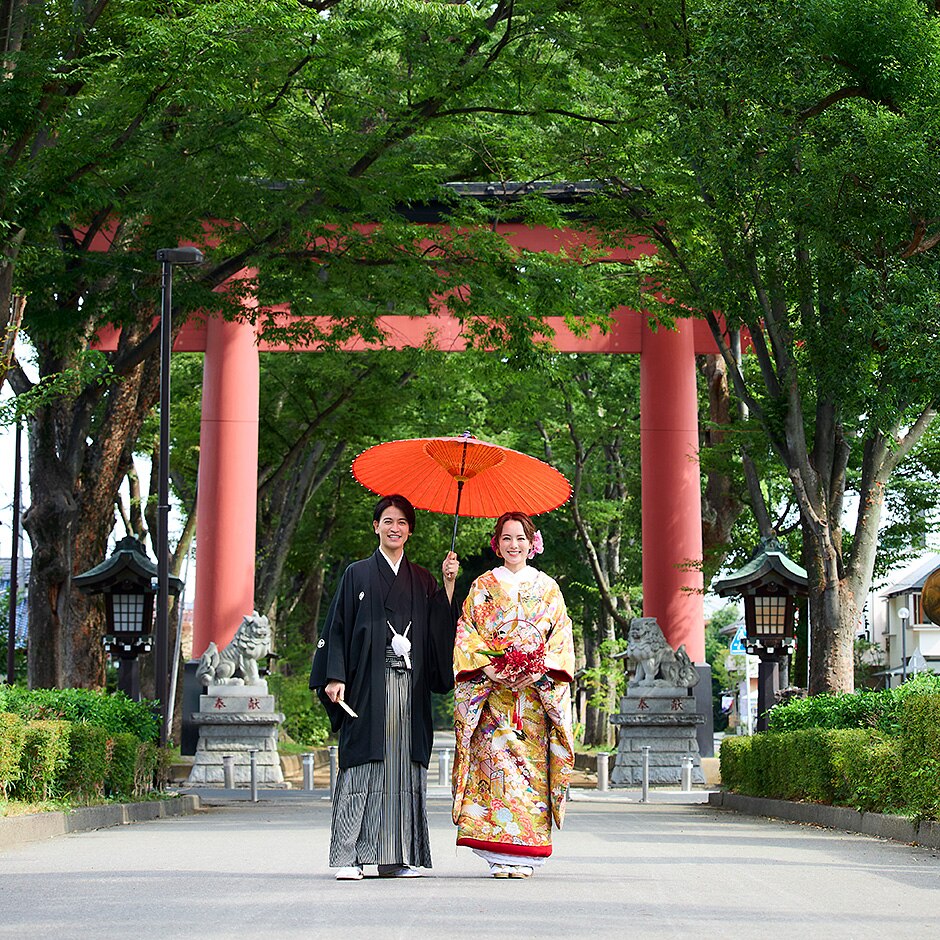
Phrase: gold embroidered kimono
[509,785]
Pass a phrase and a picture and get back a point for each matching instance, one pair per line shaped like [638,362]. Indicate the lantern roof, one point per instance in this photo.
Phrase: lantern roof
[128,562]
[768,564]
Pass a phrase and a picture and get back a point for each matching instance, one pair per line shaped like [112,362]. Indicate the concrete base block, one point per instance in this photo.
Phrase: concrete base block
[667,725]
[234,726]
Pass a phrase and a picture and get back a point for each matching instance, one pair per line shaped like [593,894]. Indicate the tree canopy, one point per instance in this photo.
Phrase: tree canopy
[289,140]
[781,157]
[784,160]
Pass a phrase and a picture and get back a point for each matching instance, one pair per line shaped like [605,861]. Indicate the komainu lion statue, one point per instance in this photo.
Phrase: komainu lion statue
[252,641]
[654,659]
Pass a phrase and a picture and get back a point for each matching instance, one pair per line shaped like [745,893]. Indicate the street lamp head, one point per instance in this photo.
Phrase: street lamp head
[180,256]
[904,613]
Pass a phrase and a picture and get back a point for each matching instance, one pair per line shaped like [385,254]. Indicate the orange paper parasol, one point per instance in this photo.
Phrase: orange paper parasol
[462,475]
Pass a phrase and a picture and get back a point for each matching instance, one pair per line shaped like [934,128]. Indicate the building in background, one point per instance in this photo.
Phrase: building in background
[22,577]
[910,644]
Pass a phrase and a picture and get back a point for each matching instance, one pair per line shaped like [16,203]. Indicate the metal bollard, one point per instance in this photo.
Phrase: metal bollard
[645,795]
[686,774]
[308,771]
[253,763]
[443,768]
[228,772]
[334,750]
[602,766]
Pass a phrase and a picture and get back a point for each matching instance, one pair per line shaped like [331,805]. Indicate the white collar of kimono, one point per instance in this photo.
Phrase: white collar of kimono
[525,574]
[394,565]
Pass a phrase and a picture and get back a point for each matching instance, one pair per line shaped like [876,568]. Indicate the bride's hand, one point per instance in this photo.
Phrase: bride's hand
[525,683]
[493,675]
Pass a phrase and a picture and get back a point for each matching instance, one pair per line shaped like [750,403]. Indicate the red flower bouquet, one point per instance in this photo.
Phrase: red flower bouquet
[514,664]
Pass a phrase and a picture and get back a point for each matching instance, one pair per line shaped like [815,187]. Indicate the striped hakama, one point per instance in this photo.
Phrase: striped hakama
[379,808]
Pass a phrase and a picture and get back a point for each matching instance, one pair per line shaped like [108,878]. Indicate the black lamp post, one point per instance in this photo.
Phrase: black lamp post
[126,579]
[168,258]
[769,582]
[904,615]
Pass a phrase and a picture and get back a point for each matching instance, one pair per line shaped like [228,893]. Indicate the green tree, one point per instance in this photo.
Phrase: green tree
[270,133]
[783,160]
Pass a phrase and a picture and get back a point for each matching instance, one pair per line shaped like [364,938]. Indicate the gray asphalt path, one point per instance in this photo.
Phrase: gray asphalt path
[243,870]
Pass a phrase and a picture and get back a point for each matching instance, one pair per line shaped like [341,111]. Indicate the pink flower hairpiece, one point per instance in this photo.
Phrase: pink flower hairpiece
[538,546]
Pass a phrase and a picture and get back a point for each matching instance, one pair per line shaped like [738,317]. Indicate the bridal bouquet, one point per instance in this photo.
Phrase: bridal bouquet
[513,663]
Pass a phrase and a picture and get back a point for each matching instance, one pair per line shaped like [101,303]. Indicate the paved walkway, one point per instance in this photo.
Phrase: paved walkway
[669,868]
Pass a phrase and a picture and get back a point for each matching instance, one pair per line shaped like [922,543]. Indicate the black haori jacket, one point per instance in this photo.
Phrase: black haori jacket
[352,650]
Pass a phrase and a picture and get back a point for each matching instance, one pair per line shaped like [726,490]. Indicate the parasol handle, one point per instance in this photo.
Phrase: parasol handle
[453,540]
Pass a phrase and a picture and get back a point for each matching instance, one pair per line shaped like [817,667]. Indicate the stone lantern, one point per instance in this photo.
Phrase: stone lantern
[769,583]
[126,579]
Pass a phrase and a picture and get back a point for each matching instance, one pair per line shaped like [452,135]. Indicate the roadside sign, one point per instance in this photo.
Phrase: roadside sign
[737,647]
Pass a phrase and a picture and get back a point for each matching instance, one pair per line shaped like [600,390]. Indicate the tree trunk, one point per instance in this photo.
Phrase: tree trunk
[73,488]
[721,506]
[280,507]
[49,521]
[833,618]
[595,718]
[312,599]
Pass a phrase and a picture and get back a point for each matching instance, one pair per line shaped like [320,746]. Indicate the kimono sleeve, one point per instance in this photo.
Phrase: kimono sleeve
[442,617]
[469,647]
[329,660]
[559,644]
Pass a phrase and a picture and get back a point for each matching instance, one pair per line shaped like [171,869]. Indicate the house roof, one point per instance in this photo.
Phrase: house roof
[6,567]
[913,578]
[24,564]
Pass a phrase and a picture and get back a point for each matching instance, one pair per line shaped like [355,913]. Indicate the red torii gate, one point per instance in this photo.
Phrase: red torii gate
[671,487]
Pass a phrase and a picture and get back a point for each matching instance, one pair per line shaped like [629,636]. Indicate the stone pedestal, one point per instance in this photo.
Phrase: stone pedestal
[665,719]
[234,720]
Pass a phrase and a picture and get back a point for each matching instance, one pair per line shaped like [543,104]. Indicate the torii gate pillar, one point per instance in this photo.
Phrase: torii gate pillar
[228,483]
[671,487]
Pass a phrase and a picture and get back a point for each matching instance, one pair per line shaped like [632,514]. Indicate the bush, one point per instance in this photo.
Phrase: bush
[863,768]
[86,768]
[793,765]
[121,774]
[45,753]
[151,768]
[867,771]
[115,713]
[865,708]
[12,738]
[861,709]
[919,721]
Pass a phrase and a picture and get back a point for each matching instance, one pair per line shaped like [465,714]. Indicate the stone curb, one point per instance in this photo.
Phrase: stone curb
[18,830]
[895,828]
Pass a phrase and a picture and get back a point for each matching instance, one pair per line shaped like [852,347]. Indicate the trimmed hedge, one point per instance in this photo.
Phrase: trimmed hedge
[86,767]
[121,773]
[114,712]
[12,737]
[42,760]
[920,754]
[151,768]
[45,753]
[864,768]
